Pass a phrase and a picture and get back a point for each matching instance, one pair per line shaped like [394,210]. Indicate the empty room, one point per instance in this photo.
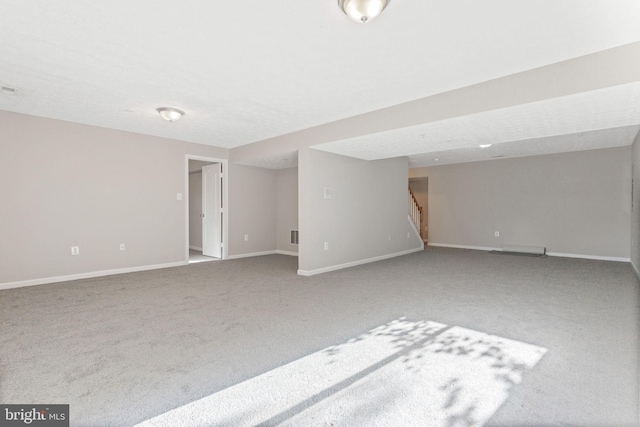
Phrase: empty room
[327,213]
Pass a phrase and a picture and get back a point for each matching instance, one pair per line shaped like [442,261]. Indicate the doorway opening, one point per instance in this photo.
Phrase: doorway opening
[206,222]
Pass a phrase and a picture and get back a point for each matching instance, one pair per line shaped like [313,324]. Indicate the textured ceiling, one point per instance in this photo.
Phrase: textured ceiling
[609,108]
[251,70]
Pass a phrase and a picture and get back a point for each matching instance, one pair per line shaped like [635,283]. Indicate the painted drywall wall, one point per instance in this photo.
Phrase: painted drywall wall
[287,216]
[195,209]
[635,211]
[252,210]
[358,208]
[65,184]
[572,203]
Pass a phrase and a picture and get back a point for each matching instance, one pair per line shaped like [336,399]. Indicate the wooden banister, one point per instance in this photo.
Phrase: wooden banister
[415,212]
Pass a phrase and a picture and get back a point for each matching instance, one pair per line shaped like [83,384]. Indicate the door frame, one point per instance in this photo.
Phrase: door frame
[225,202]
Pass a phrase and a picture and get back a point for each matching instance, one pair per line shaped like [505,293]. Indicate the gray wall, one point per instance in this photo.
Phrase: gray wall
[635,213]
[572,203]
[253,195]
[65,184]
[263,203]
[195,209]
[287,217]
[366,218]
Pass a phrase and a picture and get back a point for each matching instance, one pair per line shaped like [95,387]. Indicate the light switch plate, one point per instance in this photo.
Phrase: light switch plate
[328,195]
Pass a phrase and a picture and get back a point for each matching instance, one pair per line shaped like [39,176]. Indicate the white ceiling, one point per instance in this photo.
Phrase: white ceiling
[603,112]
[251,70]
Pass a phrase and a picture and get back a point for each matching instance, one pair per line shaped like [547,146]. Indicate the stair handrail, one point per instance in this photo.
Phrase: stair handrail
[415,211]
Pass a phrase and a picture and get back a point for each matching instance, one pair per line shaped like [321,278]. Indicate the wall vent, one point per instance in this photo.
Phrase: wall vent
[294,237]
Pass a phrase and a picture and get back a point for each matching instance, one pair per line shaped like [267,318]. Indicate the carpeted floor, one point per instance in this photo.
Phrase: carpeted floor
[124,349]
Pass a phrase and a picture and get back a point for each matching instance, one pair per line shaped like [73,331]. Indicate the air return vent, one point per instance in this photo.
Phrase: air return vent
[294,237]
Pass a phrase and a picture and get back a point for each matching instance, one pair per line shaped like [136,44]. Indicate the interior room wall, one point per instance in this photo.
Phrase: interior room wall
[66,184]
[635,211]
[358,208]
[571,203]
[287,216]
[195,209]
[253,198]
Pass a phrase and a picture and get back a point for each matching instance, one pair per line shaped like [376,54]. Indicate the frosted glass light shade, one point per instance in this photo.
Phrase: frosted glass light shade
[170,114]
[362,10]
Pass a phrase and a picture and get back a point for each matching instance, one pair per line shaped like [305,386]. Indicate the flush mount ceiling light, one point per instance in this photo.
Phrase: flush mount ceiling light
[170,114]
[363,10]
[485,145]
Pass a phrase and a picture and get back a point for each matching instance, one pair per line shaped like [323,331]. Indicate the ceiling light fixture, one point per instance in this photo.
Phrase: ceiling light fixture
[363,10]
[485,145]
[170,114]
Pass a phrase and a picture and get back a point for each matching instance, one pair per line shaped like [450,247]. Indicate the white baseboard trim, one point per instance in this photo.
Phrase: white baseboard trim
[355,263]
[195,248]
[475,248]
[252,254]
[90,275]
[596,257]
[290,253]
[555,254]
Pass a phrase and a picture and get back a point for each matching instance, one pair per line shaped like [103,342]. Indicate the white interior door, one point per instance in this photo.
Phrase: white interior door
[212,210]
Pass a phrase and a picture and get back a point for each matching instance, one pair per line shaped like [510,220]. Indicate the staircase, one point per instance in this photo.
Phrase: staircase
[415,212]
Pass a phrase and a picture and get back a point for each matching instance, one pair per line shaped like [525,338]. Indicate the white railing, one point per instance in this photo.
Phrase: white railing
[415,212]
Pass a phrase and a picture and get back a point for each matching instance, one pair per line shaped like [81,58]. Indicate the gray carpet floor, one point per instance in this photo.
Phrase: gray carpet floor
[124,349]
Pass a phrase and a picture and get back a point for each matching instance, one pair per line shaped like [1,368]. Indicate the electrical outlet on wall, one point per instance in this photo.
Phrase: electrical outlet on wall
[122,246]
[75,250]
[326,246]
[246,237]
[496,233]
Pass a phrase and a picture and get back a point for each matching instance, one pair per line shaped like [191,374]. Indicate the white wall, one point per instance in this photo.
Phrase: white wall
[65,184]
[571,203]
[287,216]
[366,218]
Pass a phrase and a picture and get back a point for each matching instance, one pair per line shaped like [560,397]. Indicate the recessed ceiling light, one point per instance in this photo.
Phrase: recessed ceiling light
[437,160]
[170,114]
[485,145]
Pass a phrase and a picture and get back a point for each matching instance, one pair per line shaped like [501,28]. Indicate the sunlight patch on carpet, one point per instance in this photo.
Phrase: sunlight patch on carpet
[409,373]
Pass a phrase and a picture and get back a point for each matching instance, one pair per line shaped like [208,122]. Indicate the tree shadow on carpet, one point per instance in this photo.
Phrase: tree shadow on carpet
[401,373]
